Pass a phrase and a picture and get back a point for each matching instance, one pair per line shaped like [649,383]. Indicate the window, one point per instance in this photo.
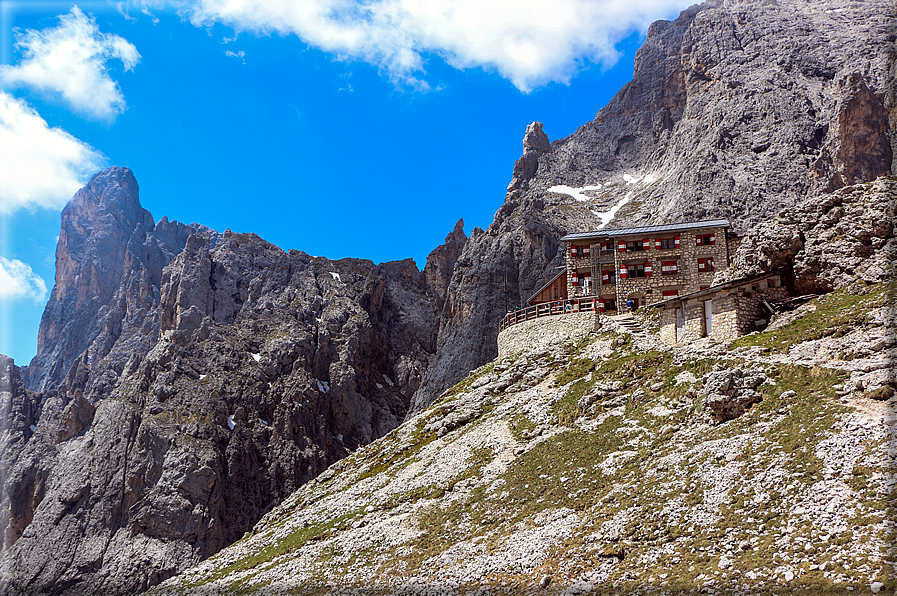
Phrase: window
[635,270]
[581,251]
[605,248]
[582,279]
[633,245]
[608,276]
[669,268]
[670,293]
[667,243]
[607,304]
[705,265]
[705,240]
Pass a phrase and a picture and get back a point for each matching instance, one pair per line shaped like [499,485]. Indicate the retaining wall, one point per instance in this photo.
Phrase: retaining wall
[544,331]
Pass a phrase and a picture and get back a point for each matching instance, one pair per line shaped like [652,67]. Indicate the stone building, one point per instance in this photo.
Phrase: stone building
[647,264]
[725,311]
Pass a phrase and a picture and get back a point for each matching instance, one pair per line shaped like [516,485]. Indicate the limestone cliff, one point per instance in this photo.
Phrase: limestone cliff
[737,109]
[191,381]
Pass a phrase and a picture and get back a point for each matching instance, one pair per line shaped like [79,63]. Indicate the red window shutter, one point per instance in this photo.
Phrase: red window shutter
[624,272]
[601,306]
[647,269]
[605,277]
[712,238]
[710,264]
[677,241]
[621,246]
[646,244]
[587,249]
[657,243]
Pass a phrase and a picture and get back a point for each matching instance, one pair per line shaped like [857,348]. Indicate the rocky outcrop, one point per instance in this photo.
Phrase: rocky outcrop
[109,262]
[249,370]
[735,110]
[728,392]
[831,241]
[441,262]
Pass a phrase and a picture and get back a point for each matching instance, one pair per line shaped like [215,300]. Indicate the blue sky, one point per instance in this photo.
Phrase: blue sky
[338,128]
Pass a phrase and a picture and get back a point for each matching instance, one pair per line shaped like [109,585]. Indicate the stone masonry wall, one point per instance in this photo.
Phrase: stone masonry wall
[545,331]
[650,289]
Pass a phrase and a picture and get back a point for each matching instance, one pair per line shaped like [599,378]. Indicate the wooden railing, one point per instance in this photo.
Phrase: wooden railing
[555,307]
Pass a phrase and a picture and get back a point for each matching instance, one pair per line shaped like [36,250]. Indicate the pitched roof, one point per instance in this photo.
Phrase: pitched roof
[710,223]
[536,293]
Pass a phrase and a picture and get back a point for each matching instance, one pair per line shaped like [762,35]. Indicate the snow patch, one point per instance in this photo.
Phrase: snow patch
[230,422]
[629,179]
[335,276]
[606,216]
[576,193]
[379,386]
[265,422]
[256,357]
[33,428]
[388,381]
[201,377]
[323,386]
[649,178]
[339,437]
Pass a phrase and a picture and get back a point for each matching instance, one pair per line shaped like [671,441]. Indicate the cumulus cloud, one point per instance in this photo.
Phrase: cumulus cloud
[529,42]
[39,166]
[18,280]
[69,61]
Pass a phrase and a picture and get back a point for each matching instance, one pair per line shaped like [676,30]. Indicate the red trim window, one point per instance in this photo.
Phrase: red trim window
[608,276]
[705,265]
[705,240]
[667,243]
[670,293]
[604,248]
[669,268]
[648,269]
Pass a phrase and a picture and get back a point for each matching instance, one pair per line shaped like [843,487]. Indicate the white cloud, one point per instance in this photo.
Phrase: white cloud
[529,42]
[17,280]
[39,166]
[239,55]
[69,61]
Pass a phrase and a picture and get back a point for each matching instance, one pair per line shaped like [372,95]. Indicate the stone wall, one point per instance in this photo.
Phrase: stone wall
[545,331]
[734,313]
[649,289]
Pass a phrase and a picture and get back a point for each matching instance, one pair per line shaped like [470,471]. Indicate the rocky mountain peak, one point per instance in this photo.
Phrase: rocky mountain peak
[535,141]
[441,262]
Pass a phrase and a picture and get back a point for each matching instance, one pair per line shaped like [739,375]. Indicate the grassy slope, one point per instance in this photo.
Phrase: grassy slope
[636,491]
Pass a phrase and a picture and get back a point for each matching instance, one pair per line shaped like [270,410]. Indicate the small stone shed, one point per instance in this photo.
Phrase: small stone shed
[724,311]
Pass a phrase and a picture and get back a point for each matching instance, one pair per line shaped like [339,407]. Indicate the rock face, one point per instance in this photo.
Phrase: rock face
[736,110]
[829,242]
[441,262]
[109,262]
[226,379]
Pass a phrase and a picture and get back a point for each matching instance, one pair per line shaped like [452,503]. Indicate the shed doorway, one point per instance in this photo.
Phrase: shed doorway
[708,318]
[680,323]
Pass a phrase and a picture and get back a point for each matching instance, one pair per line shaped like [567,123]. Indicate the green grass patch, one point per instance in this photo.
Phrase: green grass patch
[836,314]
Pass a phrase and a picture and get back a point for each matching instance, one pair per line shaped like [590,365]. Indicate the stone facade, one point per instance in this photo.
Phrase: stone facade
[648,264]
[735,310]
[545,331]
